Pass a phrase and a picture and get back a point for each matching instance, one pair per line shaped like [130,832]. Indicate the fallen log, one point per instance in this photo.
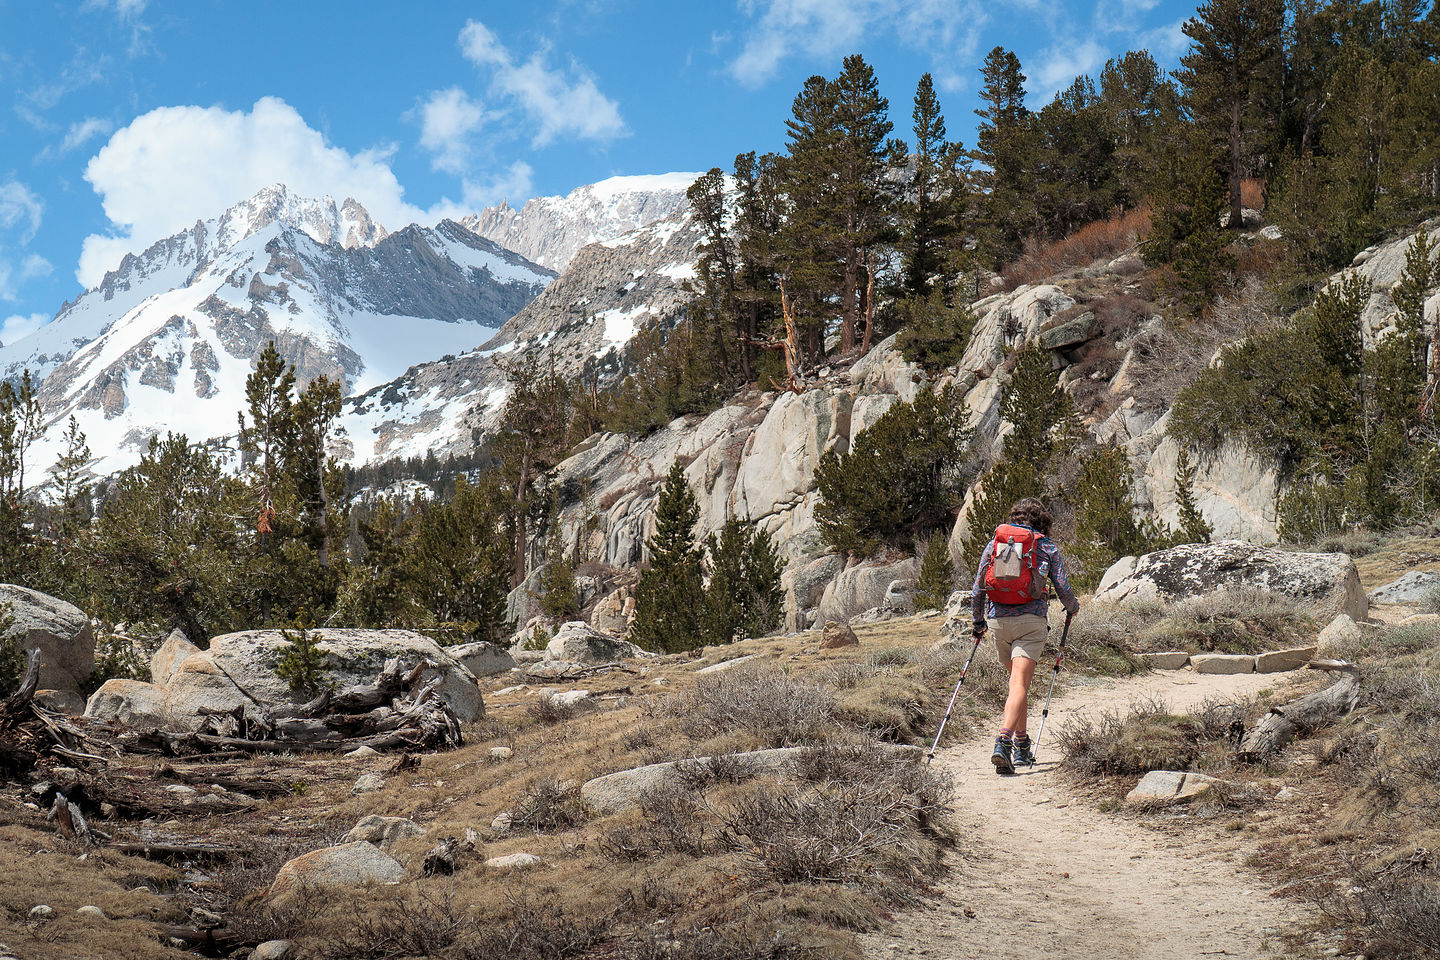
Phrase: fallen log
[168,852]
[440,860]
[1282,724]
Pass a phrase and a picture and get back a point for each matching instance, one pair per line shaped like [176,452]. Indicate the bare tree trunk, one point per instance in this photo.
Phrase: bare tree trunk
[848,306]
[1237,207]
[869,300]
[522,490]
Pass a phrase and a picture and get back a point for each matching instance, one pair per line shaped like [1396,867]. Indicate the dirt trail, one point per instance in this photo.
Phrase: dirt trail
[1058,879]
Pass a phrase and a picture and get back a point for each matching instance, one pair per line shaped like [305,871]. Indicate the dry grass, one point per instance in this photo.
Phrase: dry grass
[1252,194]
[1102,239]
[1150,737]
[1169,355]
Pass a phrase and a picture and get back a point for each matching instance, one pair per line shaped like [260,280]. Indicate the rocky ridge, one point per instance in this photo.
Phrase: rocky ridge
[552,230]
[579,327]
[338,294]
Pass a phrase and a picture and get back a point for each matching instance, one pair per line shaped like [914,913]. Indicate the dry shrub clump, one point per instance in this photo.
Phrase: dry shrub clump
[1241,620]
[548,805]
[1171,354]
[1150,737]
[1102,239]
[774,709]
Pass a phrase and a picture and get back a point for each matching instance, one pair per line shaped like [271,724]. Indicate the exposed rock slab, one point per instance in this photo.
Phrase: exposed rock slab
[383,832]
[1338,636]
[578,642]
[173,652]
[864,585]
[1413,587]
[1281,661]
[349,864]
[483,659]
[60,630]
[1165,660]
[1171,786]
[1222,663]
[1327,581]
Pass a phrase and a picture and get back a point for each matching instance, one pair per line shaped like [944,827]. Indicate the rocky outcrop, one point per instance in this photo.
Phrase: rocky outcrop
[239,671]
[168,658]
[59,630]
[578,642]
[1383,265]
[483,659]
[348,865]
[864,585]
[1322,581]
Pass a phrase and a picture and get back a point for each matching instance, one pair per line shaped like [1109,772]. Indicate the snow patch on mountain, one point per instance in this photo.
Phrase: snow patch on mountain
[551,230]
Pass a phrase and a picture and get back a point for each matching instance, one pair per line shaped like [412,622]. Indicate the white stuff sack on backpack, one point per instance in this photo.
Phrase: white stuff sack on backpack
[1008,561]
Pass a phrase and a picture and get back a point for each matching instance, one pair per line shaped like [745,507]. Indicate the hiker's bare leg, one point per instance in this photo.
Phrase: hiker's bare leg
[1022,671]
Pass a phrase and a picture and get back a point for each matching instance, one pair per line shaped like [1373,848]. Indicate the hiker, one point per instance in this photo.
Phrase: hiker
[1011,594]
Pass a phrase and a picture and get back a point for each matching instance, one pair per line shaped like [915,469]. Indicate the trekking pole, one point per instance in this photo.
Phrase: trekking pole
[1035,751]
[946,719]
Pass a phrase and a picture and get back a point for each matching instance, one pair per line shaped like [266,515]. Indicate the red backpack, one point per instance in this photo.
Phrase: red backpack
[1014,556]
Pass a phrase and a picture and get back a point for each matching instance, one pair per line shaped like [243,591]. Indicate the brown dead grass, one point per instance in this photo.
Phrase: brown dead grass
[1102,239]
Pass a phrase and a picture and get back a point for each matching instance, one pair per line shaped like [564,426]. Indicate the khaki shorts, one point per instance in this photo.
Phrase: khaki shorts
[1022,636]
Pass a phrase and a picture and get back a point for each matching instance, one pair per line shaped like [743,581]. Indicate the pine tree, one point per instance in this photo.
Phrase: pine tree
[1185,231]
[559,593]
[457,565]
[530,440]
[670,595]
[167,549]
[1233,78]
[1193,526]
[937,574]
[900,477]
[1003,148]
[302,662]
[743,595]
[20,426]
[929,227]
[1039,413]
[1105,524]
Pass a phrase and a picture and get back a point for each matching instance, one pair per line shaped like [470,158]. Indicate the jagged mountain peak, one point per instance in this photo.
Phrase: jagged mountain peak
[551,230]
[347,224]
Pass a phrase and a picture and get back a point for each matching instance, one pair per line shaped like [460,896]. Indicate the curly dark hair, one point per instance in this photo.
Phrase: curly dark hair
[1031,513]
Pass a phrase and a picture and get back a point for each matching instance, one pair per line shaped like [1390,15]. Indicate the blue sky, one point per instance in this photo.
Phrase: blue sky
[122,121]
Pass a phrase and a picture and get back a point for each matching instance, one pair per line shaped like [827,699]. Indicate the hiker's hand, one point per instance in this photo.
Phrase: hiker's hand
[979,630]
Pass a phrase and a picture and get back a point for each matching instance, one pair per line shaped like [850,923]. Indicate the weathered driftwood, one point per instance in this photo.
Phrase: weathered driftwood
[379,715]
[29,730]
[1282,724]
[71,821]
[179,851]
[440,860]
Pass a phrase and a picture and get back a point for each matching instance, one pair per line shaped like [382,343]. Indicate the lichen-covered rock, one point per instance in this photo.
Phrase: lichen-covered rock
[133,704]
[804,587]
[60,630]
[173,652]
[349,864]
[578,642]
[864,585]
[1413,587]
[383,832]
[1323,581]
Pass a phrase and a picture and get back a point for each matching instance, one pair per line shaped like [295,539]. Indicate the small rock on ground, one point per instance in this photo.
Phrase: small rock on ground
[838,634]
[273,950]
[383,831]
[345,865]
[501,753]
[42,911]
[1170,786]
[514,861]
[1339,634]
[362,752]
[91,912]
[502,821]
[368,783]
[1222,663]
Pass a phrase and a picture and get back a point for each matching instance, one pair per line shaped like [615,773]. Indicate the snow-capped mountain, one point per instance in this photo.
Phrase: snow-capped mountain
[166,341]
[581,325]
[551,230]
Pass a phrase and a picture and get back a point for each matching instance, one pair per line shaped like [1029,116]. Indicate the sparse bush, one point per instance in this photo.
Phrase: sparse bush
[843,828]
[671,821]
[547,711]
[777,710]
[1237,620]
[548,805]
[1149,737]
[1101,239]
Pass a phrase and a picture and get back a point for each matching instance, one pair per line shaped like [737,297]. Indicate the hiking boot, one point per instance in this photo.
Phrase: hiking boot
[1024,754]
[1004,764]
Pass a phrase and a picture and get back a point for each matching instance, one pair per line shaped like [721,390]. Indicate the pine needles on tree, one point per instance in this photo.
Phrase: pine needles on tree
[670,596]
[937,574]
[302,664]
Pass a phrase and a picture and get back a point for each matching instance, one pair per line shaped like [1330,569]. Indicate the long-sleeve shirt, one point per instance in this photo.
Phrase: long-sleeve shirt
[982,606]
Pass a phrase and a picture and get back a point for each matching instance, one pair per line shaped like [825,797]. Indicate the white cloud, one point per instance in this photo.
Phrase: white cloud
[448,118]
[947,30]
[35,265]
[124,9]
[1060,65]
[175,165]
[15,326]
[815,27]
[557,102]
[81,132]
[19,206]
